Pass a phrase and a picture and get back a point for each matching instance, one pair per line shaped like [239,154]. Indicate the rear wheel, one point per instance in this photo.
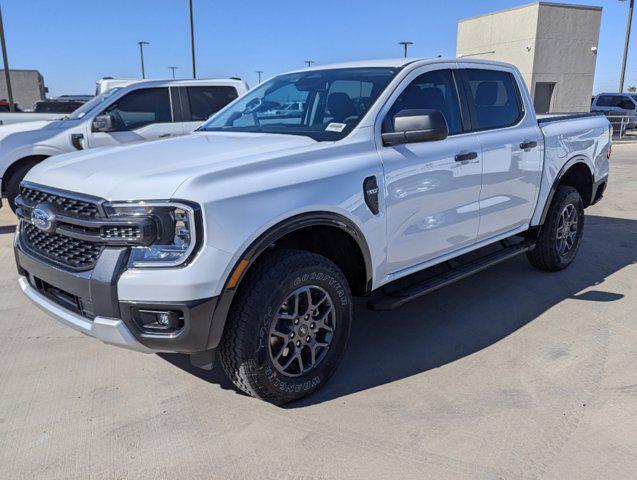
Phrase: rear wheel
[288,327]
[561,234]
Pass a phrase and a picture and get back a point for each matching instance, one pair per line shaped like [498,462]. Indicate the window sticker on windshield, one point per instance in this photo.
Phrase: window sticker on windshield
[335,127]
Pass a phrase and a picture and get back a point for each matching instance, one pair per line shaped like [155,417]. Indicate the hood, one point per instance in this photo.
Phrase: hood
[6,130]
[17,135]
[154,170]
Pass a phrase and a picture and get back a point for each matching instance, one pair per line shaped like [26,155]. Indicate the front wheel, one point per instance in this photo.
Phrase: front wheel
[288,326]
[561,234]
[13,182]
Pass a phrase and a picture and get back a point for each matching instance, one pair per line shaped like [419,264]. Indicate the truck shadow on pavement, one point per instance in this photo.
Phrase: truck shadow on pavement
[465,317]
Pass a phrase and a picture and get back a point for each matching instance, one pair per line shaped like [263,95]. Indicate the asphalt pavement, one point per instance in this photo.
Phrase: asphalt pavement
[510,374]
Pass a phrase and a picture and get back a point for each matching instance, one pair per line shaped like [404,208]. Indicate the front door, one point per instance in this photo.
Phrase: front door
[432,188]
[140,115]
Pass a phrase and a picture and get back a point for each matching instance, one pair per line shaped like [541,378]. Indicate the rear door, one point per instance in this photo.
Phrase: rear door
[432,188]
[143,114]
[198,103]
[511,146]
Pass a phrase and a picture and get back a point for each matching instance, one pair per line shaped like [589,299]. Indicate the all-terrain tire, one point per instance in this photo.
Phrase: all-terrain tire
[246,347]
[547,255]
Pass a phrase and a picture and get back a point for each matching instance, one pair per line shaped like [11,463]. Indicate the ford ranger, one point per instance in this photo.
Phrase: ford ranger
[137,112]
[250,236]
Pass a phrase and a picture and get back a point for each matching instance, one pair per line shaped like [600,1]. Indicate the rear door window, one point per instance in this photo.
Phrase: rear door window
[615,101]
[207,100]
[494,98]
[141,107]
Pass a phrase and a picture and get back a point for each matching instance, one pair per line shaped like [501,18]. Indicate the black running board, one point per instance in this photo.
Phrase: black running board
[390,301]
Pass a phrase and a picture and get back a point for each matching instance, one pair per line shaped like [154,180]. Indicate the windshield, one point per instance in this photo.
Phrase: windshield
[88,106]
[321,104]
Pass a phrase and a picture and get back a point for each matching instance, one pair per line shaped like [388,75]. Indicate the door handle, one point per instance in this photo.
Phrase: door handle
[165,135]
[464,156]
[527,144]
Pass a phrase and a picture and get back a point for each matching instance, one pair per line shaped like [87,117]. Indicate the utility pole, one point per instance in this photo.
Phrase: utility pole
[7,73]
[630,21]
[405,45]
[259,72]
[192,42]
[141,54]
[309,62]
[173,69]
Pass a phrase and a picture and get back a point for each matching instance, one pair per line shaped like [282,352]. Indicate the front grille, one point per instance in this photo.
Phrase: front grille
[60,248]
[132,232]
[73,206]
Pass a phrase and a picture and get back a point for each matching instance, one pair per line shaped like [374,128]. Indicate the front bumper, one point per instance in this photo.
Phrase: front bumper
[88,301]
[109,330]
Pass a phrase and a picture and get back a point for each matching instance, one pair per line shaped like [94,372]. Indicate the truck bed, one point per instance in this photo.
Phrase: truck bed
[545,118]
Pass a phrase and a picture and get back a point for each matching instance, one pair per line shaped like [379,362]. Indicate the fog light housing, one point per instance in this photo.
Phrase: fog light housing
[159,321]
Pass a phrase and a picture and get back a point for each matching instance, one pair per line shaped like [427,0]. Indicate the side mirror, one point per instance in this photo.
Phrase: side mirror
[416,126]
[103,123]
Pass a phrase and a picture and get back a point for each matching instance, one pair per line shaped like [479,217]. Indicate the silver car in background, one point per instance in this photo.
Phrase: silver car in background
[617,105]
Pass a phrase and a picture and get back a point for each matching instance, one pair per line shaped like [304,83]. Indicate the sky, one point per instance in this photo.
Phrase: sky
[75,42]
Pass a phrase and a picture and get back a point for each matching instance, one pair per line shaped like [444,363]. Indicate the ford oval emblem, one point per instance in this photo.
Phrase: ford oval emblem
[43,217]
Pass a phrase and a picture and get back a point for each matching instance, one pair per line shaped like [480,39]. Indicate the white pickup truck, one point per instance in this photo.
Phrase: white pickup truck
[251,235]
[140,111]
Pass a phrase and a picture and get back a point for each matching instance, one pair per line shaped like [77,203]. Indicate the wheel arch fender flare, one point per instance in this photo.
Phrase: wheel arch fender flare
[267,238]
[557,180]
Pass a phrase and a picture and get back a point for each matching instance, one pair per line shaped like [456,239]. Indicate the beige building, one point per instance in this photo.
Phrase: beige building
[27,87]
[553,44]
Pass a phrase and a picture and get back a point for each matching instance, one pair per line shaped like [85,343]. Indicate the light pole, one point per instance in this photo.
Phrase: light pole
[309,62]
[192,43]
[173,70]
[7,73]
[259,72]
[630,21]
[405,45]
[141,55]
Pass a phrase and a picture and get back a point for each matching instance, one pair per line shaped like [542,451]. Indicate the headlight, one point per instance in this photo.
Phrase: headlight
[176,236]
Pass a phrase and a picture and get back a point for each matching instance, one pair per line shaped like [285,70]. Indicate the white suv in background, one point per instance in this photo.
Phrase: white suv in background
[141,111]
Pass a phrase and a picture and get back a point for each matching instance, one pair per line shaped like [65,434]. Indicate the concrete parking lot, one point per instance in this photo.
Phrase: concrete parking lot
[510,374]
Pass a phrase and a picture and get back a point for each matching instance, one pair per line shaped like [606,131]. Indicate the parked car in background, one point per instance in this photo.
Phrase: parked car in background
[617,105]
[56,106]
[141,111]
[20,116]
[4,106]
[252,234]
[75,98]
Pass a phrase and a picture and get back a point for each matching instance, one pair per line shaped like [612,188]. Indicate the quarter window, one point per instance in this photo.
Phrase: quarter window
[431,91]
[141,107]
[494,97]
[204,101]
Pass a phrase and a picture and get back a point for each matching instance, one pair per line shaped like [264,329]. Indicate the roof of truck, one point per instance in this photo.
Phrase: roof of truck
[189,82]
[400,62]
